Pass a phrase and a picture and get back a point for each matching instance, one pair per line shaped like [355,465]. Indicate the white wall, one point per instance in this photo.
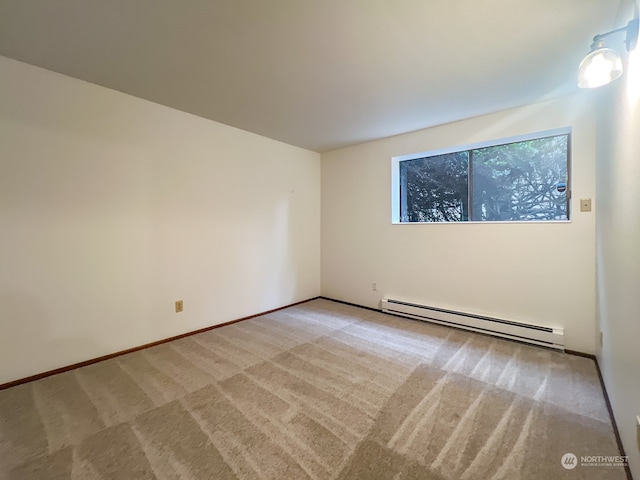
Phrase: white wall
[543,273]
[618,253]
[112,208]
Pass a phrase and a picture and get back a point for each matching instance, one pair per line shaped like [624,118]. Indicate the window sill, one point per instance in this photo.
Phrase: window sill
[519,222]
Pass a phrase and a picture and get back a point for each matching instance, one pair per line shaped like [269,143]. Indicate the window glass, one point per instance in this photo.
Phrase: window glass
[520,181]
[516,181]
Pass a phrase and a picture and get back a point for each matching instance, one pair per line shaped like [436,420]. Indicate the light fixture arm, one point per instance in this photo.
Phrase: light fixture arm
[632,35]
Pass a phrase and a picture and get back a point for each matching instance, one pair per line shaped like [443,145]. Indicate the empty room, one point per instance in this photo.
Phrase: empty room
[319,239]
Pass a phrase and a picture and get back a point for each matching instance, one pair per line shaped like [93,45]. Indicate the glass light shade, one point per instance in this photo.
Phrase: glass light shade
[600,67]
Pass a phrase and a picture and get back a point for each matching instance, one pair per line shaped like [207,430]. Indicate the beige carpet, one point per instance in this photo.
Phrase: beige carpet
[321,390]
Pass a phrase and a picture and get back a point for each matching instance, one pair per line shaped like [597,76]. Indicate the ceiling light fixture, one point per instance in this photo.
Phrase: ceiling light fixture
[603,65]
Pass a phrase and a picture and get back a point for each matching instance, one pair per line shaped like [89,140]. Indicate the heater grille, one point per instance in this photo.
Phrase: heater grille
[552,337]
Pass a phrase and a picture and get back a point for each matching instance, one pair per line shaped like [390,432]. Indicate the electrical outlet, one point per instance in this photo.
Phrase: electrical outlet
[374,287]
[585,204]
[179,306]
[601,338]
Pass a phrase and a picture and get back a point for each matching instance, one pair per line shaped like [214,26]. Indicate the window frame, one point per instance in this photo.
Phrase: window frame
[395,174]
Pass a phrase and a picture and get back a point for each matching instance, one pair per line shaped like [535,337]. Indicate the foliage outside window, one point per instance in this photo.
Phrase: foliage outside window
[518,181]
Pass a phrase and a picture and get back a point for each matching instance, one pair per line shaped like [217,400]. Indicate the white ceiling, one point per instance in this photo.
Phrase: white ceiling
[320,74]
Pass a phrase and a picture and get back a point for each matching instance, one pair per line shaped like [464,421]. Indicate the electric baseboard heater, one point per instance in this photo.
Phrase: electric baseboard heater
[552,337]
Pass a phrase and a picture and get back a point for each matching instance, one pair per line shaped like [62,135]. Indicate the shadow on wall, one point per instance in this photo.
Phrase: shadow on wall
[28,343]
[273,233]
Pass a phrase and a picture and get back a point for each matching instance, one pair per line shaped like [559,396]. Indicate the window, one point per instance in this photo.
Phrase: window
[525,180]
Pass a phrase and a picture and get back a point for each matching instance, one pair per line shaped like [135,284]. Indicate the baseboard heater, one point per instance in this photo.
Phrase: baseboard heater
[551,337]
